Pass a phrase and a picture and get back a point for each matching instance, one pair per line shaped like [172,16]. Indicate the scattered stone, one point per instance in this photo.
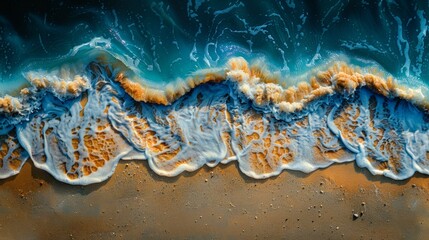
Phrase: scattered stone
[322,192]
[414,185]
[206,180]
[363,203]
[355,216]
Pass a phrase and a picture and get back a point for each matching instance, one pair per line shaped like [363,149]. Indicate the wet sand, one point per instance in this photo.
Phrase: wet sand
[215,203]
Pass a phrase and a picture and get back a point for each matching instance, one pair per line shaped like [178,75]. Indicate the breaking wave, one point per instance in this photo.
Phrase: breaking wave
[78,126]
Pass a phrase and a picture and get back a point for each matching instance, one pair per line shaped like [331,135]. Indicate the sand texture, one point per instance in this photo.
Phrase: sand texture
[215,203]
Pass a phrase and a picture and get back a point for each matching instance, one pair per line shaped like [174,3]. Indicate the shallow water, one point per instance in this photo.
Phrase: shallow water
[273,85]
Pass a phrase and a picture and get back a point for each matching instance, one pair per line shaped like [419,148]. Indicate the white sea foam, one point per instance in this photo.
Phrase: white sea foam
[238,113]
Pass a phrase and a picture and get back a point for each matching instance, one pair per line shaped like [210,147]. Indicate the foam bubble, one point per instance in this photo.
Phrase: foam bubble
[59,83]
[10,104]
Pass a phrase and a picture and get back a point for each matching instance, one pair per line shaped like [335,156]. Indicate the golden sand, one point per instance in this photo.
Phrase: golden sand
[216,203]
[12,155]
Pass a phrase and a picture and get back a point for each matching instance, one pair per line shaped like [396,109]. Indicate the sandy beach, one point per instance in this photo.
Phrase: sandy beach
[215,203]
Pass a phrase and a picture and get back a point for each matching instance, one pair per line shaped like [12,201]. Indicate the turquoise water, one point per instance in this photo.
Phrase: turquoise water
[273,85]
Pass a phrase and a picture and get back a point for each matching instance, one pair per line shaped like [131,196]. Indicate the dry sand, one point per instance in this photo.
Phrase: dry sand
[215,203]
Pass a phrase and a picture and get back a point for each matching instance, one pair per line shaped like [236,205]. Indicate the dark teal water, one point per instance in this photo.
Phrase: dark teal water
[165,40]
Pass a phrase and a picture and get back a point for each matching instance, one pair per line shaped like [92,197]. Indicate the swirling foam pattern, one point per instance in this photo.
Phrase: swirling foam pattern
[342,114]
[300,87]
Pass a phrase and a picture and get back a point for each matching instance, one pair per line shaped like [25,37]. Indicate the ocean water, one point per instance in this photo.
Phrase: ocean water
[274,85]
